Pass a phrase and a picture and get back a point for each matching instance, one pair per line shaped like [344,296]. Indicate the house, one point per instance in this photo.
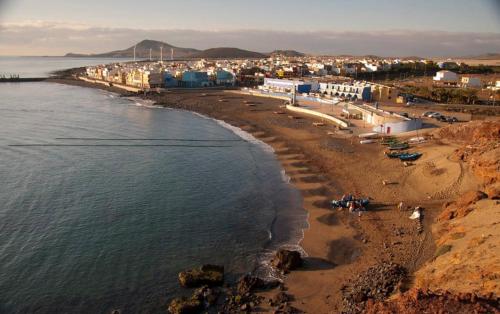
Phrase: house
[224,78]
[448,65]
[280,85]
[194,79]
[169,80]
[446,77]
[353,91]
[155,79]
[471,82]
[138,78]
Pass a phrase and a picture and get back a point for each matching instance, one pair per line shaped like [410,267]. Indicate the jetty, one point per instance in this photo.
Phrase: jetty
[22,79]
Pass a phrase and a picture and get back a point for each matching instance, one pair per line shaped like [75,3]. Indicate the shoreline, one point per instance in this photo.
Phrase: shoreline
[338,245]
[267,250]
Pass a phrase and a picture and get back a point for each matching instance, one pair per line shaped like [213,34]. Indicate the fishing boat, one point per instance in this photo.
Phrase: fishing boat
[410,157]
[389,141]
[395,154]
[367,141]
[416,140]
[399,146]
[369,135]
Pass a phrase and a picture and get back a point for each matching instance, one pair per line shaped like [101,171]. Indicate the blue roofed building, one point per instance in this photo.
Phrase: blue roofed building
[169,80]
[225,78]
[194,79]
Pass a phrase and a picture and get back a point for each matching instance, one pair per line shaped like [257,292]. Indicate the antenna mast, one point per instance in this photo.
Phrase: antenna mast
[134,52]
[161,54]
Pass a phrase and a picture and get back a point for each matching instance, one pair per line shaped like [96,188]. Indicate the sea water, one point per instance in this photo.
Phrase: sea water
[103,200]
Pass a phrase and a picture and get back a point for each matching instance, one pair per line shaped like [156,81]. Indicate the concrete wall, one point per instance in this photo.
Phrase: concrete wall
[124,87]
[318,115]
[399,127]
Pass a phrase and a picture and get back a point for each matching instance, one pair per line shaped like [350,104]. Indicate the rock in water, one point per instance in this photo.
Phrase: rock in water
[287,260]
[210,275]
[185,306]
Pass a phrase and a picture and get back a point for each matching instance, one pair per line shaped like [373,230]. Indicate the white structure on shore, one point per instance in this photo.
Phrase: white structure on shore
[446,77]
[385,122]
[471,82]
[353,91]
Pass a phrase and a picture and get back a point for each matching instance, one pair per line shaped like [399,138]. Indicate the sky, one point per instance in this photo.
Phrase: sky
[382,27]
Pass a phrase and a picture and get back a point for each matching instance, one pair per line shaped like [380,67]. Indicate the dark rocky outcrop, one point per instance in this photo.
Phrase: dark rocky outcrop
[249,283]
[201,299]
[286,260]
[377,283]
[418,301]
[185,306]
[211,275]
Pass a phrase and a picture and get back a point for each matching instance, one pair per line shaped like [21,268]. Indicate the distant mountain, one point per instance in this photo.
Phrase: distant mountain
[227,53]
[142,50]
[486,56]
[287,53]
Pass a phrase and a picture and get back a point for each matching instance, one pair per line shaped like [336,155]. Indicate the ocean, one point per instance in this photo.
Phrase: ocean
[105,199]
[35,67]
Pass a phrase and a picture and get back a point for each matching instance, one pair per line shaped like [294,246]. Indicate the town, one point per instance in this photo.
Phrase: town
[355,88]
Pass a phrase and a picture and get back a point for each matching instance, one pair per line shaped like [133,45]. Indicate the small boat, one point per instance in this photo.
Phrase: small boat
[416,140]
[395,154]
[368,141]
[389,141]
[410,157]
[399,146]
[369,135]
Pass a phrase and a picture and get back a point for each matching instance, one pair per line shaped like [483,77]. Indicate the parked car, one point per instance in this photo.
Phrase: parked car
[441,118]
[434,115]
[410,103]
[428,113]
[451,119]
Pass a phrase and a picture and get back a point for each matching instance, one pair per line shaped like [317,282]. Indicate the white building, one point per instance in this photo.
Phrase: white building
[353,91]
[371,67]
[471,82]
[446,77]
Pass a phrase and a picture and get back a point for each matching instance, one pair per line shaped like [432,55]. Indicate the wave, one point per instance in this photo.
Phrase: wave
[239,132]
[146,103]
[286,178]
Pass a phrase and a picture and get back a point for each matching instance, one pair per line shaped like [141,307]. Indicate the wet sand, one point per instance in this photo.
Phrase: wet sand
[323,167]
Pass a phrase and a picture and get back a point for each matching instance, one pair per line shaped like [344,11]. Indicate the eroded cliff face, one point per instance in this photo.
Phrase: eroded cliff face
[464,275]
[467,258]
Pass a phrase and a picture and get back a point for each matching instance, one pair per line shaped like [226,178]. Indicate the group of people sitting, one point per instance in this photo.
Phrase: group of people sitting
[348,201]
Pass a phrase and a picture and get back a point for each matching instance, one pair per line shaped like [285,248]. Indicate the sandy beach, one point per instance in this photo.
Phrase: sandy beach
[324,164]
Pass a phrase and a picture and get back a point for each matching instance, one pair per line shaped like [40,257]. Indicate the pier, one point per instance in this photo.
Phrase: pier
[21,79]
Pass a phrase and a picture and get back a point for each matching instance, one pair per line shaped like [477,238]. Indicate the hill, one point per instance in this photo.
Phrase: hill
[227,53]
[487,56]
[142,50]
[287,53]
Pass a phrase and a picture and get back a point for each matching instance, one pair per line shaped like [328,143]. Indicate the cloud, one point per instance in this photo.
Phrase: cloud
[57,38]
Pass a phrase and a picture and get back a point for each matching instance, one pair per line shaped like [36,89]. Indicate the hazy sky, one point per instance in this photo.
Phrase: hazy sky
[425,27]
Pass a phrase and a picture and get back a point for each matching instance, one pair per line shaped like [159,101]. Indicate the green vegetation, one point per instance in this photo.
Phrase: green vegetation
[444,95]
